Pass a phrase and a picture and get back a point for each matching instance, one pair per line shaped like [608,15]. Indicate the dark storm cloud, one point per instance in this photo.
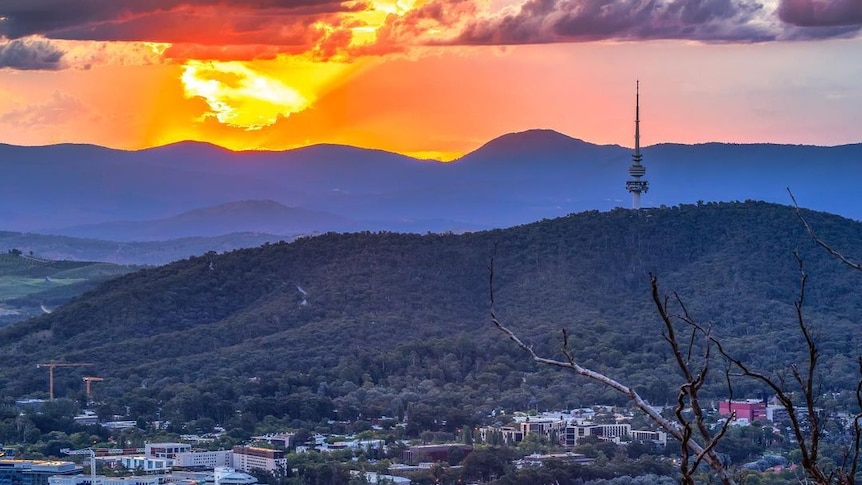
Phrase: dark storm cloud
[821,13]
[104,19]
[545,21]
[253,29]
[30,55]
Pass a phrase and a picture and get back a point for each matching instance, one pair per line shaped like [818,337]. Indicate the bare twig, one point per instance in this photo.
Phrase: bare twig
[682,433]
[820,242]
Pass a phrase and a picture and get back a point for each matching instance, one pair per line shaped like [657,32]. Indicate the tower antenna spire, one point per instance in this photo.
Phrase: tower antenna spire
[638,118]
[635,185]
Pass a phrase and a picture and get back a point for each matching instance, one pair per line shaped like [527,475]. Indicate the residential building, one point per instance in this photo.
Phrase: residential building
[247,458]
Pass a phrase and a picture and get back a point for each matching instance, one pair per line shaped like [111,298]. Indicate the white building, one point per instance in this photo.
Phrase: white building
[166,450]
[373,478]
[204,459]
[101,480]
[279,440]
[229,476]
[607,432]
[146,464]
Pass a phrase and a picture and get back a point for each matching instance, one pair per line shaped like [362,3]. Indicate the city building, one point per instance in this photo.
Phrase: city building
[247,458]
[278,440]
[611,432]
[500,435]
[31,405]
[146,464]
[200,460]
[746,411]
[166,450]
[373,478]
[540,460]
[102,480]
[86,418]
[551,428]
[229,476]
[34,472]
[659,437]
[607,432]
[434,453]
[119,425]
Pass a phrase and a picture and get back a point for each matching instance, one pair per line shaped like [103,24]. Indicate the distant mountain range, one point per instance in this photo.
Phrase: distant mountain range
[255,216]
[194,189]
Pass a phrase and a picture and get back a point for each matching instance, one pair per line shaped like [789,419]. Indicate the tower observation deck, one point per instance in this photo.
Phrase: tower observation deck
[635,185]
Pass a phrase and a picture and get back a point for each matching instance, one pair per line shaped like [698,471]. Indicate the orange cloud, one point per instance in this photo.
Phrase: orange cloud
[201,29]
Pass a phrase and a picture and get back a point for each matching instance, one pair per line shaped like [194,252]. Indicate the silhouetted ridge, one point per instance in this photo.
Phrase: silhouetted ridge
[526,144]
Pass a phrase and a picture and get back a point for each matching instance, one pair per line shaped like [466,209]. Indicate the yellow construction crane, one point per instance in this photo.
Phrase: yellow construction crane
[87,381]
[51,365]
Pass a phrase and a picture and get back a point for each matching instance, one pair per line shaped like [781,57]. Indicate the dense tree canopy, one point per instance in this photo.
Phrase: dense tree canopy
[355,326]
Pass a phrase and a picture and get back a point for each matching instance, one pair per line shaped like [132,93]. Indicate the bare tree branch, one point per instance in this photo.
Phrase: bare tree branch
[820,242]
[697,442]
[682,433]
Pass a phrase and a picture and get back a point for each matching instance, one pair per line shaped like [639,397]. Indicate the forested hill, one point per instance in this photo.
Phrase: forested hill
[379,323]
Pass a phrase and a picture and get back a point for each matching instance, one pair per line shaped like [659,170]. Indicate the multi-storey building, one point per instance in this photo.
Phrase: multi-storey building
[247,458]
[146,464]
[101,480]
[552,428]
[609,432]
[166,450]
[659,437]
[434,453]
[229,476]
[34,472]
[500,435]
[208,460]
[747,410]
[279,440]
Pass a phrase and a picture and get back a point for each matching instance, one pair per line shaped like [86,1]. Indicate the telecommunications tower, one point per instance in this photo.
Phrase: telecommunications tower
[635,185]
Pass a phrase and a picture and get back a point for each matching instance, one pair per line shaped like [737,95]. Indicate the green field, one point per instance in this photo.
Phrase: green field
[13,287]
[28,282]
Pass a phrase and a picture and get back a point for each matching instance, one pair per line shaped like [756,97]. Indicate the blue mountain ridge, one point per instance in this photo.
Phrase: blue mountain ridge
[514,179]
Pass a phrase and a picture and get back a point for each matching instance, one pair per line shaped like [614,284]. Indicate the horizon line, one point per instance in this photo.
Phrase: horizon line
[417,154]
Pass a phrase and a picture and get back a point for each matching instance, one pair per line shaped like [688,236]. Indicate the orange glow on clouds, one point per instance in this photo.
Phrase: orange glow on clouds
[255,94]
[429,78]
[239,96]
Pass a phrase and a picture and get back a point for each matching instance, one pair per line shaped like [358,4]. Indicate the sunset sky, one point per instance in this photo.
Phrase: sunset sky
[429,78]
